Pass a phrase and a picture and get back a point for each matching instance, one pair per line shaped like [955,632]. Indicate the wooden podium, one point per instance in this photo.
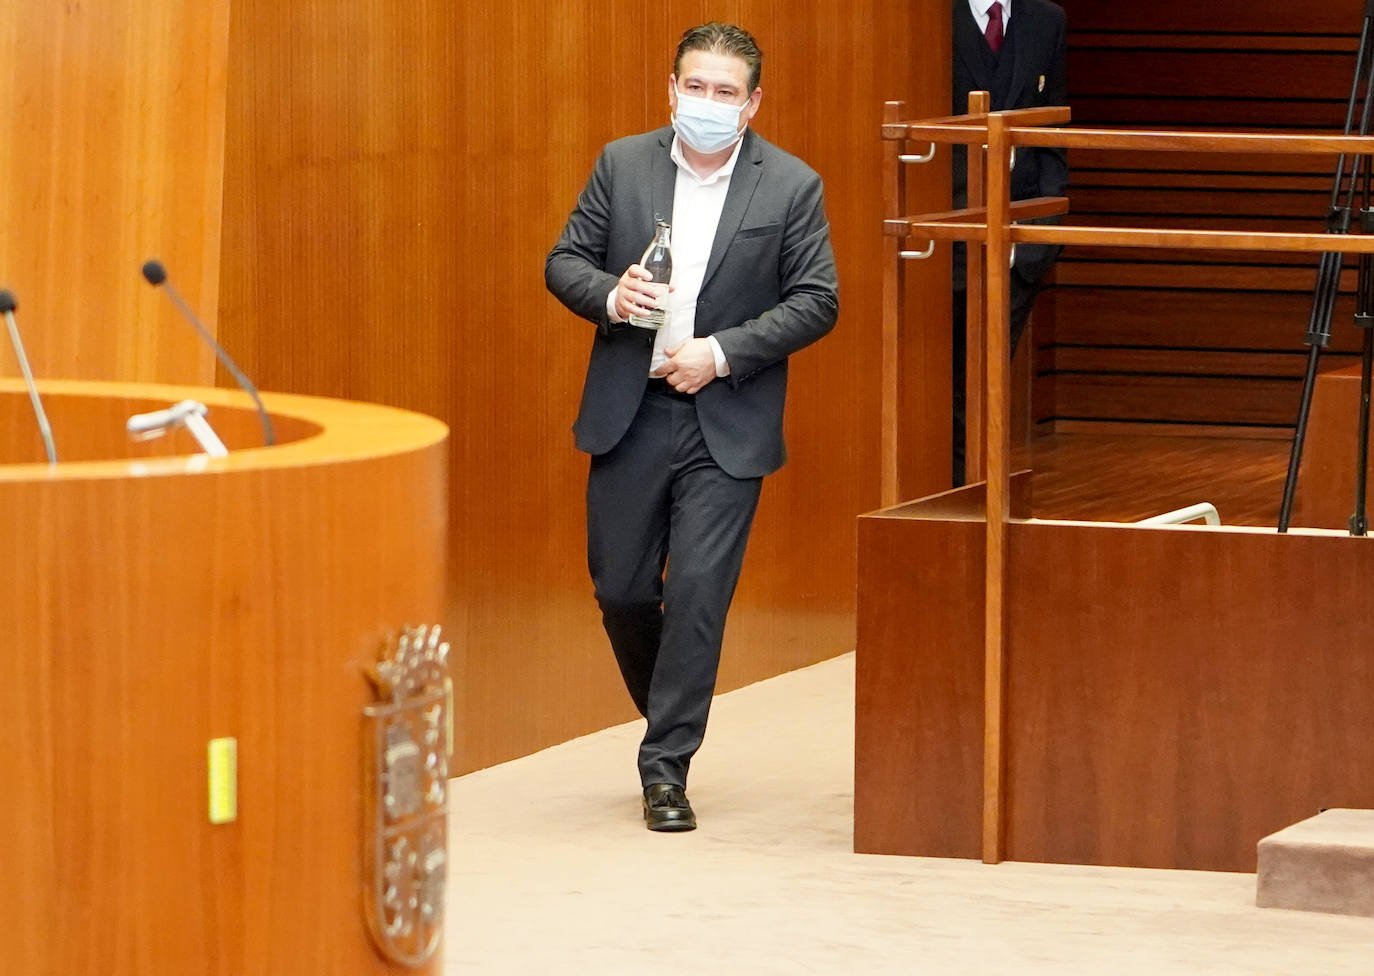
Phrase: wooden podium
[153,600]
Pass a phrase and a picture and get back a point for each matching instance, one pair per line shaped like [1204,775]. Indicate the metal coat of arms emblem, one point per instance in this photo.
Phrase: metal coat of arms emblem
[407,744]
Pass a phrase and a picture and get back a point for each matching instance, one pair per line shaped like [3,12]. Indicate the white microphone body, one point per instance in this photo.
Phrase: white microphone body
[187,413]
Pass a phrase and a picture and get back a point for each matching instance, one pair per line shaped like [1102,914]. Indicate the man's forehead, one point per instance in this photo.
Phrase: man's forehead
[710,65]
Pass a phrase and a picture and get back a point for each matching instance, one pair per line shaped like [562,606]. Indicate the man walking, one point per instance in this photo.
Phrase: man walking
[684,421]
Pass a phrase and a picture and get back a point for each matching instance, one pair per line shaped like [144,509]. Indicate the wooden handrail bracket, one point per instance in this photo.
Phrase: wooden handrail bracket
[973,127]
[944,132]
[903,130]
[973,217]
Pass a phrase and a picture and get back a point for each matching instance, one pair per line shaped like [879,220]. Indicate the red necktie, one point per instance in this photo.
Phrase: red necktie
[994,32]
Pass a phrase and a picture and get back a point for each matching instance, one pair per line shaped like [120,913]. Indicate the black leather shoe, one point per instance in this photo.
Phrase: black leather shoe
[666,808]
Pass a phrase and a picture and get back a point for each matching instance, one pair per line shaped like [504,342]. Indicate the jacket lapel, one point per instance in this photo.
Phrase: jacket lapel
[743,181]
[968,47]
[1023,21]
[663,180]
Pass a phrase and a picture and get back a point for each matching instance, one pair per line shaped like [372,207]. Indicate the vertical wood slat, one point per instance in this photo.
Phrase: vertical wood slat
[894,288]
[998,486]
[975,400]
[113,135]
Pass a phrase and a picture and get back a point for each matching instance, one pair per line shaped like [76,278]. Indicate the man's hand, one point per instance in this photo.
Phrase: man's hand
[690,366]
[637,293]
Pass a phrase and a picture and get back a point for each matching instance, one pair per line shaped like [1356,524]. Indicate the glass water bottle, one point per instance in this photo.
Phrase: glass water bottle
[658,261]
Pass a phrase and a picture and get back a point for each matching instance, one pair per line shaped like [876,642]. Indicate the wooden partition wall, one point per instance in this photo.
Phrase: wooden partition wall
[1154,718]
[1202,339]
[394,180]
[113,152]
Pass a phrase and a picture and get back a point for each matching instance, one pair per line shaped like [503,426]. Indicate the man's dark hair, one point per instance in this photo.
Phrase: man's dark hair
[722,39]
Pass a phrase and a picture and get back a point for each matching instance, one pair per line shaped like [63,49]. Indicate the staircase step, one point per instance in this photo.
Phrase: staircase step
[1322,864]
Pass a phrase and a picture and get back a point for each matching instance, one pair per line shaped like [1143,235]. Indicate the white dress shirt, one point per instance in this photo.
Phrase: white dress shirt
[980,10]
[697,205]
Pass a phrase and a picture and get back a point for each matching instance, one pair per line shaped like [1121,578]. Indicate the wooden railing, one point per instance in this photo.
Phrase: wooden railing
[993,225]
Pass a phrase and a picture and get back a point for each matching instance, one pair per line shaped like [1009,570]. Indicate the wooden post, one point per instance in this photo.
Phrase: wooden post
[998,482]
[894,286]
[975,401]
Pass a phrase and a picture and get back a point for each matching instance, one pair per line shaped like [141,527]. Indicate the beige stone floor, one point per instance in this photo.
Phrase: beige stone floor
[553,872]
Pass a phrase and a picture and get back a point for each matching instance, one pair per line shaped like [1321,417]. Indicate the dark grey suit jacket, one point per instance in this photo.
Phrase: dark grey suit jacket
[1039,53]
[770,289]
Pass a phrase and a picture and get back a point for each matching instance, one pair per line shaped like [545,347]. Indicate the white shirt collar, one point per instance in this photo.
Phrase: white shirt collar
[980,8]
[720,174]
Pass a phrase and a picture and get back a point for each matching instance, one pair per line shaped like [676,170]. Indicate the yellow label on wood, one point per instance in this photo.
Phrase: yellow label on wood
[223,755]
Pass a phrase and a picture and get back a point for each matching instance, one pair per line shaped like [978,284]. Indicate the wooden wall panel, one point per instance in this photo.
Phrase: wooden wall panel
[1159,718]
[114,134]
[1146,397]
[1172,696]
[1160,338]
[394,180]
[1165,16]
[1326,495]
[918,716]
[918,724]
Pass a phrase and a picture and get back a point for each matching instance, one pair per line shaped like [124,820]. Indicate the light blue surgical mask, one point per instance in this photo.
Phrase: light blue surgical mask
[706,125]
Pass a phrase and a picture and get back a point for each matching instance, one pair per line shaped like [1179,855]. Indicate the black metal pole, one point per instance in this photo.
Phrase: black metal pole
[1329,269]
[1359,521]
[1290,485]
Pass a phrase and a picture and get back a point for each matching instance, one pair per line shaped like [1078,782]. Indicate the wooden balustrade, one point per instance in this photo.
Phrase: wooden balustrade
[991,223]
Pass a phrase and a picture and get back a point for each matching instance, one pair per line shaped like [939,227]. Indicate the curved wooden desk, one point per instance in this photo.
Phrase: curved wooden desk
[151,601]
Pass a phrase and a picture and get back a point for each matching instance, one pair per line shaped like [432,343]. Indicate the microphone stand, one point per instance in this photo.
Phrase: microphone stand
[7,307]
[156,275]
[1344,186]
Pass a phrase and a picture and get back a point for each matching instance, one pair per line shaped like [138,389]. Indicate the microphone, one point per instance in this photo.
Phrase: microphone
[189,414]
[7,307]
[156,275]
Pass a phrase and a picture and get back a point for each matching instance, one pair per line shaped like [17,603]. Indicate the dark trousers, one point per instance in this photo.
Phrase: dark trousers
[657,498]
[1022,300]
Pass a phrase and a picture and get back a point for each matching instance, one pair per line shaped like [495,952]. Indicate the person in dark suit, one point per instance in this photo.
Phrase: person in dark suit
[1014,50]
[683,423]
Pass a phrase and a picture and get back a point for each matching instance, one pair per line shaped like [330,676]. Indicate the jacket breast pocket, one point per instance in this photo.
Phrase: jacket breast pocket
[762,230]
